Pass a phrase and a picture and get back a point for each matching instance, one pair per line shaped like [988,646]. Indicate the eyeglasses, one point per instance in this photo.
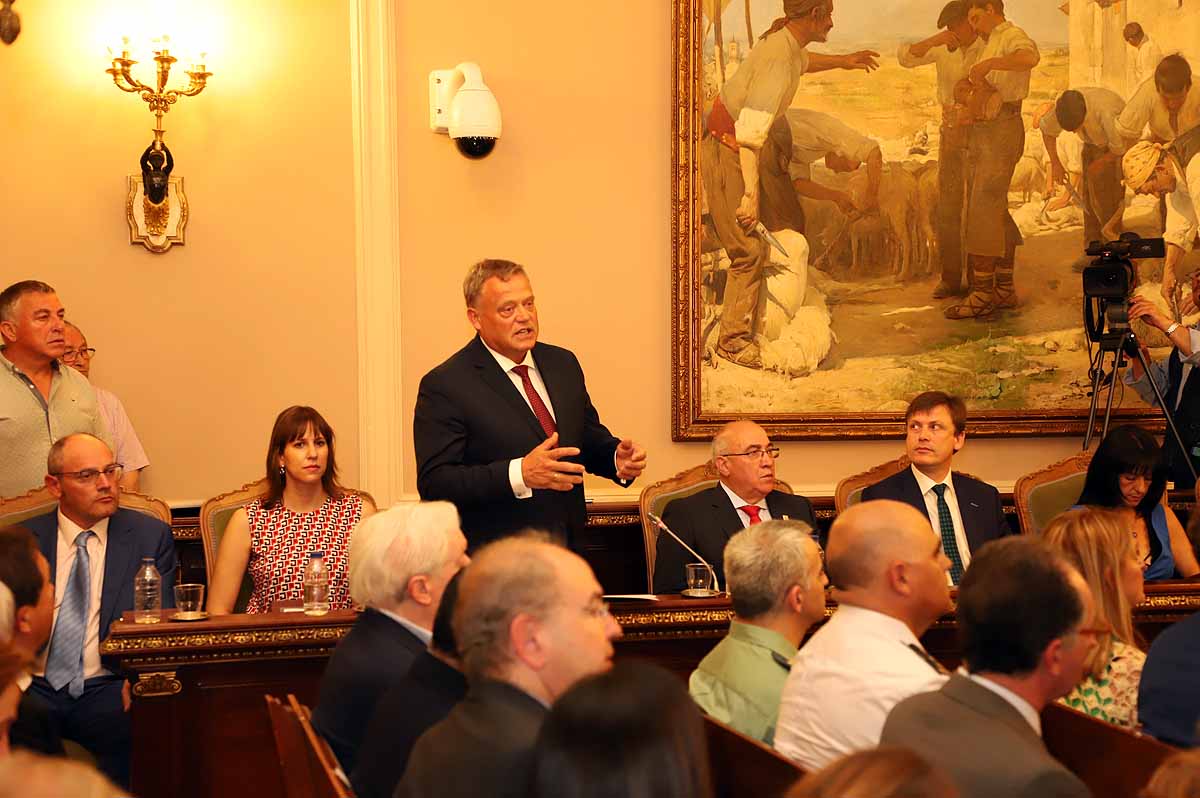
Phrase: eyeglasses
[757,452]
[75,355]
[112,472]
[597,609]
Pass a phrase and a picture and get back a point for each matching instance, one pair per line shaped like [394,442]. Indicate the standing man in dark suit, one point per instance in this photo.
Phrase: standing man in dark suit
[26,574]
[531,621]
[966,512]
[93,548]
[400,562]
[1024,618]
[744,458]
[505,428]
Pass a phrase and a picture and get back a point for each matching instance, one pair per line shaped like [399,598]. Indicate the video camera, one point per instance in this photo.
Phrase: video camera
[1108,283]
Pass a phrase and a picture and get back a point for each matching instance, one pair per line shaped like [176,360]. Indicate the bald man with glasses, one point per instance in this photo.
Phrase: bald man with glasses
[93,548]
[744,459]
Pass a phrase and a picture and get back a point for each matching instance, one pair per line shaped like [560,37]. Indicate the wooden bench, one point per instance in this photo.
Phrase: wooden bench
[1113,762]
[745,768]
[307,766]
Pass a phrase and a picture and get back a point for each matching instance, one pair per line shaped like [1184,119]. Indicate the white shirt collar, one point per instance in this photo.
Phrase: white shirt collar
[875,622]
[738,501]
[424,635]
[925,483]
[68,530]
[1019,704]
[506,363]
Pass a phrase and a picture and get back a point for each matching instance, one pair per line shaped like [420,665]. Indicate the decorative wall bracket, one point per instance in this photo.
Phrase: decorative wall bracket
[156,226]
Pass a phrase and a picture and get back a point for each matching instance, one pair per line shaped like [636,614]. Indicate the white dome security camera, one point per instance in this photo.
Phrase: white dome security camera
[461,104]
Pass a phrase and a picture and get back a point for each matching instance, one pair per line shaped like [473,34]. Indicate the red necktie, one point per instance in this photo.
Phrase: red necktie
[752,511]
[535,400]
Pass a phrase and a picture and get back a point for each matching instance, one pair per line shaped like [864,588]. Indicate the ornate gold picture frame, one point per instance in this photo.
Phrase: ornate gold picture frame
[1023,372]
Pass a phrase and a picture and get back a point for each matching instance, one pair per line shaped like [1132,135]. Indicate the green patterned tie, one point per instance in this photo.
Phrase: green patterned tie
[949,542]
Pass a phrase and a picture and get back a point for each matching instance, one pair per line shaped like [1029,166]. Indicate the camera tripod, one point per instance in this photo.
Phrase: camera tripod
[1120,344]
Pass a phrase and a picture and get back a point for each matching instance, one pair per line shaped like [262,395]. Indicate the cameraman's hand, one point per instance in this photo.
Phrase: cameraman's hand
[1142,308]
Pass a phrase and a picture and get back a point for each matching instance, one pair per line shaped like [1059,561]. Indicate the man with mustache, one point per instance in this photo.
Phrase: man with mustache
[40,400]
[966,512]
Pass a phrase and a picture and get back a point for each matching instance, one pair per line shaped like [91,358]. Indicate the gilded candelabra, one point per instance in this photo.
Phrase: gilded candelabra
[159,99]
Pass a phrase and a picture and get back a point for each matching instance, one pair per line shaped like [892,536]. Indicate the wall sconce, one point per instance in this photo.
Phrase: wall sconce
[10,22]
[463,106]
[155,222]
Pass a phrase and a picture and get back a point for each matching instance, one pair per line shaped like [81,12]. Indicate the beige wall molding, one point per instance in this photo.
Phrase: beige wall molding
[373,45]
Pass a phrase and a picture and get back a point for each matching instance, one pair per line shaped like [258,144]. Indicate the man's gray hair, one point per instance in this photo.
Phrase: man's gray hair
[10,296]
[764,560]
[8,614]
[510,577]
[391,547]
[483,271]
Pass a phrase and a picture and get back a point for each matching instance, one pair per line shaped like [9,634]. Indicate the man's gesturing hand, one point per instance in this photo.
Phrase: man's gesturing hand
[631,459]
[545,468]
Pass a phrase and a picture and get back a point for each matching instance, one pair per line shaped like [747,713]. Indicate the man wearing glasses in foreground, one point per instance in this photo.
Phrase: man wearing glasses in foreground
[40,401]
[745,461]
[966,512]
[93,548]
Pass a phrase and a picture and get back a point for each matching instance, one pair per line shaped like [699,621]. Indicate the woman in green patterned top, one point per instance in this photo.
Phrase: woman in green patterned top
[1100,543]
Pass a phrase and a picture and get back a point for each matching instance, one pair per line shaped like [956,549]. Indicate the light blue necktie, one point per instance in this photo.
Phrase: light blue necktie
[64,665]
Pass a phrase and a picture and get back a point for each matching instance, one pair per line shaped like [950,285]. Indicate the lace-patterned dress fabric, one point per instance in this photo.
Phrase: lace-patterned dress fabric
[280,541]
[1112,698]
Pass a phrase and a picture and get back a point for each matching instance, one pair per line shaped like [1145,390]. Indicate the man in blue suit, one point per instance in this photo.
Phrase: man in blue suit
[93,548]
[965,511]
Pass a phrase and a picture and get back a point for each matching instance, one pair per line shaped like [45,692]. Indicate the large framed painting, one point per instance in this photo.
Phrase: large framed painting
[903,234]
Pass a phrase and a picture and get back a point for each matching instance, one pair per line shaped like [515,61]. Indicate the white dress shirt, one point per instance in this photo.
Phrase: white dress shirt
[960,534]
[97,545]
[519,488]
[1145,60]
[1019,704]
[1161,374]
[738,503]
[1006,39]
[843,684]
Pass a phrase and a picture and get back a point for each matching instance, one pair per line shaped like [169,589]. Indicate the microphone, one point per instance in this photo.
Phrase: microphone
[658,522]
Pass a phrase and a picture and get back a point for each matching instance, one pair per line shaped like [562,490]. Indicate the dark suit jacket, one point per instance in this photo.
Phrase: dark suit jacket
[1168,693]
[986,746]
[978,504]
[705,521]
[131,536]
[483,749]
[470,421]
[35,727]
[374,655]
[405,712]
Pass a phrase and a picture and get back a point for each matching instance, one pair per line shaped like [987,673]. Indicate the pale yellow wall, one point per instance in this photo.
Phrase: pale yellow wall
[206,343]
[578,190]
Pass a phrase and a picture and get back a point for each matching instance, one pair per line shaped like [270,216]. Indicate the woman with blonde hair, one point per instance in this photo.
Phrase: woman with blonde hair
[884,772]
[1100,544]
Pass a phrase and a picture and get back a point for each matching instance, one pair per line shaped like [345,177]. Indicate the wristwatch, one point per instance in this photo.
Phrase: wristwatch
[1174,326]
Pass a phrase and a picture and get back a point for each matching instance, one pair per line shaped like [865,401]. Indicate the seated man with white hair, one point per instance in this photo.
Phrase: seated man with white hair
[400,562]
[777,584]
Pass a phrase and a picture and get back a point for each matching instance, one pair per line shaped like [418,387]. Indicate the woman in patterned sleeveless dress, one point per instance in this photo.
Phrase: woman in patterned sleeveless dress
[1099,544]
[304,510]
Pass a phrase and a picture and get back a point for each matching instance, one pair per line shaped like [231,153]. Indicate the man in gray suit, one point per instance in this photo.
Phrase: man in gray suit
[984,728]
[530,622]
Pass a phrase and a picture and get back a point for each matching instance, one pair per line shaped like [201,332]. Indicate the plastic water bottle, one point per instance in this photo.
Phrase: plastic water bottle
[316,584]
[147,592]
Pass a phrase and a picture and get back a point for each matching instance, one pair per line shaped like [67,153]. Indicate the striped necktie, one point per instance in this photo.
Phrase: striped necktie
[64,665]
[949,541]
